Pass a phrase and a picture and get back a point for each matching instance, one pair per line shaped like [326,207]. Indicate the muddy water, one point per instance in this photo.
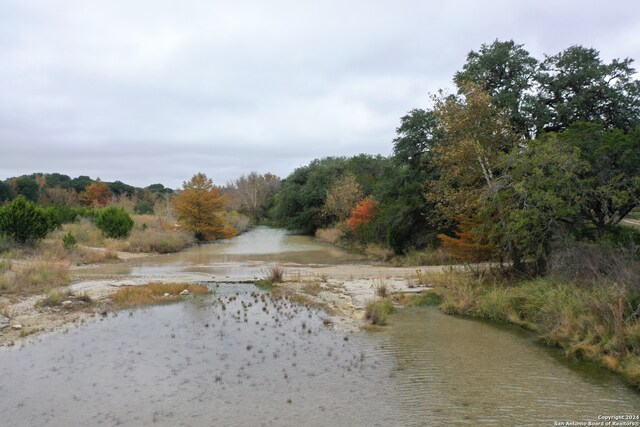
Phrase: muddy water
[243,257]
[237,357]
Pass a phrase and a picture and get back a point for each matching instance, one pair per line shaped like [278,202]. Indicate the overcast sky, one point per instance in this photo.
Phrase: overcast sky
[148,91]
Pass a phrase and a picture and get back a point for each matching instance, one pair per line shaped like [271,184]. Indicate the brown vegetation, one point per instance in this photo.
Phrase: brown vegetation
[33,276]
[153,293]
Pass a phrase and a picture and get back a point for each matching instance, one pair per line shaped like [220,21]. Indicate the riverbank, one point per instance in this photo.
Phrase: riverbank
[596,323]
[341,289]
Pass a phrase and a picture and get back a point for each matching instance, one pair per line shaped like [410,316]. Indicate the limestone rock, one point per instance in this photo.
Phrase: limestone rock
[4,322]
[185,292]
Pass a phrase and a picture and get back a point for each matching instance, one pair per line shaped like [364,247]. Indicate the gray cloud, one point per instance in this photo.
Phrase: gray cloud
[154,91]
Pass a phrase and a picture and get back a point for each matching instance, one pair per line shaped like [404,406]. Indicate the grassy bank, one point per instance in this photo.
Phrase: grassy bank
[598,322]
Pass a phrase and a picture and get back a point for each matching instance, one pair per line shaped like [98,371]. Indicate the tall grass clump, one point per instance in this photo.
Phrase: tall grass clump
[274,274]
[153,293]
[32,276]
[378,311]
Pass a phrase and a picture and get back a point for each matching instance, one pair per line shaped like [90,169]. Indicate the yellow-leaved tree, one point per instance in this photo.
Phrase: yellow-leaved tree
[199,208]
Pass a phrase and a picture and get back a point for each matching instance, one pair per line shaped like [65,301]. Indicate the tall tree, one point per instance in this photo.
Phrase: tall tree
[404,214]
[538,196]
[343,196]
[477,135]
[577,86]
[610,182]
[199,208]
[96,194]
[28,187]
[250,194]
[505,70]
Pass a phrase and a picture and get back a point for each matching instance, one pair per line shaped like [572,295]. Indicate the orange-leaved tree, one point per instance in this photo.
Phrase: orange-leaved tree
[361,217]
[469,244]
[199,208]
[96,194]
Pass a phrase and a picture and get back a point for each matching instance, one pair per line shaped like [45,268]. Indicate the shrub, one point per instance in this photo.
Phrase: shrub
[69,241]
[114,222]
[23,221]
[378,311]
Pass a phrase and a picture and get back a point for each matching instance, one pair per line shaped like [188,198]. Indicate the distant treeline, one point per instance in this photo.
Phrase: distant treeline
[58,189]
[527,157]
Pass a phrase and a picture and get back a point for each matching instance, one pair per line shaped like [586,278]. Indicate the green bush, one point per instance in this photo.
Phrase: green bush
[23,221]
[69,241]
[377,311]
[143,207]
[114,222]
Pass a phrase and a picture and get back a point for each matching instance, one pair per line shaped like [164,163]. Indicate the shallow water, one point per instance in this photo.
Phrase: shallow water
[244,257]
[237,357]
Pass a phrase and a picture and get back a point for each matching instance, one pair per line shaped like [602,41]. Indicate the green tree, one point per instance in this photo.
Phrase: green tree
[537,197]
[577,86]
[6,192]
[405,217]
[114,222]
[506,71]
[23,221]
[28,187]
[610,184]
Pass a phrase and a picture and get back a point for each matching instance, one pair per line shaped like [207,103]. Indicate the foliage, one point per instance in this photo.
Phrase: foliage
[27,187]
[199,208]
[576,86]
[362,213]
[537,198]
[505,71]
[96,194]
[610,181]
[300,202]
[250,194]
[23,221]
[378,311]
[6,192]
[114,222]
[69,241]
[477,135]
[343,196]
[468,242]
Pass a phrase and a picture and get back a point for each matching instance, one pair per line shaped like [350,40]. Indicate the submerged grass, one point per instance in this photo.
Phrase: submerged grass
[599,323]
[378,311]
[153,293]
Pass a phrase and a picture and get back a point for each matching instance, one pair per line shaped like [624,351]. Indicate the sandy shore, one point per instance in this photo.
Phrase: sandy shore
[343,288]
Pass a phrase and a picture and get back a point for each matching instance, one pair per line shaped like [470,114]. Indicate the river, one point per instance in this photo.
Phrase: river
[238,357]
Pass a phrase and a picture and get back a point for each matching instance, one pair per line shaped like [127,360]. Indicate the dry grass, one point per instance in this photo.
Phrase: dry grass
[273,275]
[313,288]
[153,293]
[426,256]
[329,235]
[381,289]
[378,252]
[33,276]
[150,234]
